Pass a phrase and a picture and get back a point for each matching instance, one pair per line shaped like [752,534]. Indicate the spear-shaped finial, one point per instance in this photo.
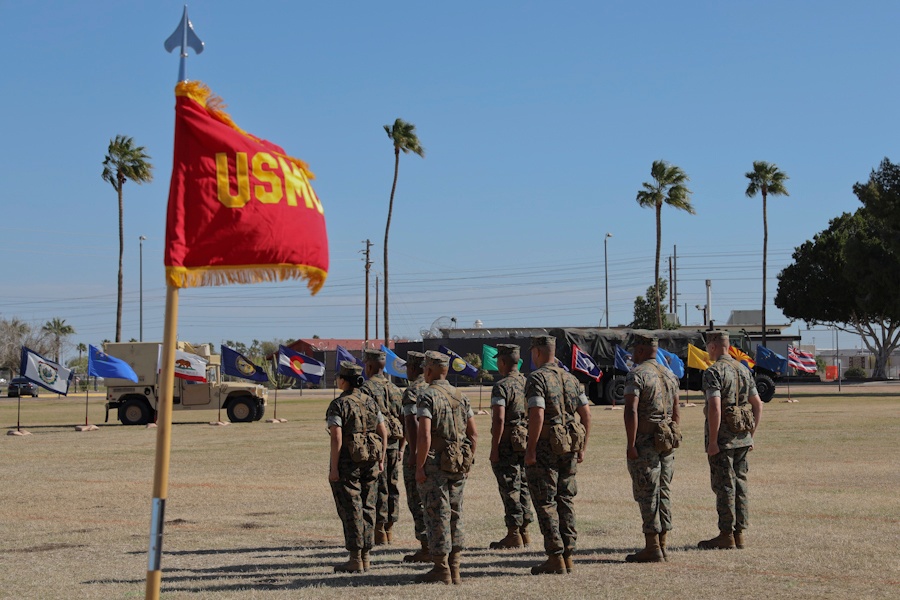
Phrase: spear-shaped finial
[184,38]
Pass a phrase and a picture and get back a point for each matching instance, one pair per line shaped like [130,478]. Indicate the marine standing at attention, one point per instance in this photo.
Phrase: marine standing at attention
[446,440]
[556,444]
[415,371]
[389,399]
[652,433]
[509,437]
[733,410]
[358,442]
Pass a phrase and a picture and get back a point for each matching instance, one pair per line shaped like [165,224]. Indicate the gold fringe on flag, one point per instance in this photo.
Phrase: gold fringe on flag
[182,277]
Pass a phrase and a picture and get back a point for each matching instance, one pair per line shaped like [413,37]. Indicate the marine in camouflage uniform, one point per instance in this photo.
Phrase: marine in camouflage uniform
[354,484]
[553,397]
[445,415]
[728,383]
[414,369]
[651,397]
[508,411]
[389,399]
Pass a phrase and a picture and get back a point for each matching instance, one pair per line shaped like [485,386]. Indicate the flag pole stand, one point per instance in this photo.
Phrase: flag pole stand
[163,446]
[87,426]
[481,411]
[18,430]
[275,418]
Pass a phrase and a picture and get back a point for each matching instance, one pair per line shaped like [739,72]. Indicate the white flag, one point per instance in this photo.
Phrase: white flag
[45,373]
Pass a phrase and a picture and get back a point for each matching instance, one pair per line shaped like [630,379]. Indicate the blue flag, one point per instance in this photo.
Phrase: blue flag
[101,364]
[772,361]
[675,364]
[622,359]
[341,354]
[393,364]
[236,364]
[299,366]
[458,365]
[582,362]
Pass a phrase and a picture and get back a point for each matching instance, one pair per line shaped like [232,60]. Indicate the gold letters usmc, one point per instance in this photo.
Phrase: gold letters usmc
[278,179]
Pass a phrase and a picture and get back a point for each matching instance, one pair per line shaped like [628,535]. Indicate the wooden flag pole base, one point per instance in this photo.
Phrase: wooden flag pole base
[18,432]
[87,427]
[151,425]
[276,420]
[219,423]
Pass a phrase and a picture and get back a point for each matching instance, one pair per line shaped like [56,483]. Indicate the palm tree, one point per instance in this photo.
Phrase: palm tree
[767,179]
[124,161]
[58,329]
[403,136]
[82,348]
[668,187]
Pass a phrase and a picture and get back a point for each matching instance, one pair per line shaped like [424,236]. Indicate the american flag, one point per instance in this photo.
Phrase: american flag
[800,360]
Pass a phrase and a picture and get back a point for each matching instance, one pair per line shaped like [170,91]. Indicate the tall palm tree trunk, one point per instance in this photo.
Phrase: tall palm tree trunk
[387,230]
[656,272]
[121,252]
[765,254]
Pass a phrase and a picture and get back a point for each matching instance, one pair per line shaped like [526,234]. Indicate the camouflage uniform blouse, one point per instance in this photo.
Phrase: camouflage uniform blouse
[389,399]
[733,383]
[411,394]
[509,392]
[656,388]
[434,404]
[544,389]
[353,412]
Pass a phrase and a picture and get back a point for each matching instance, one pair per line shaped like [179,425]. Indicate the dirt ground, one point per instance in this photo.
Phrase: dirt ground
[250,514]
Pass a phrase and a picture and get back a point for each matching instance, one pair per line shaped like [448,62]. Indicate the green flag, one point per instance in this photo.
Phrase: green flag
[488,358]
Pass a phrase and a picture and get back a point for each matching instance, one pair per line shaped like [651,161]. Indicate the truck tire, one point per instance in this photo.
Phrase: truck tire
[615,390]
[135,411]
[260,412]
[765,386]
[241,409]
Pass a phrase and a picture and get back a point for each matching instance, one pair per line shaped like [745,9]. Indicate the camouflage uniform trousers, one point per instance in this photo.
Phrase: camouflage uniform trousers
[651,483]
[442,501]
[413,501]
[510,474]
[552,484]
[354,496]
[388,507]
[728,475]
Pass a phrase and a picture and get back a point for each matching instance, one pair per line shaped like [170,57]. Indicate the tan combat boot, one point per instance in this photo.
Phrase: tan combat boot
[440,573]
[513,539]
[364,555]
[353,565]
[523,532]
[567,559]
[555,564]
[422,555]
[453,562]
[662,544]
[388,536]
[739,539]
[723,541]
[650,553]
[380,534]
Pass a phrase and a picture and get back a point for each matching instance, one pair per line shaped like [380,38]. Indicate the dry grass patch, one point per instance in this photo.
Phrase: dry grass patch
[250,513]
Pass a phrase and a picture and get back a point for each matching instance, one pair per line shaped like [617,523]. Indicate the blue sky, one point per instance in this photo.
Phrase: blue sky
[540,121]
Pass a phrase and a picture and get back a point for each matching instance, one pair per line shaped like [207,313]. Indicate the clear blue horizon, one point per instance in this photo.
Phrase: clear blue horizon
[540,123]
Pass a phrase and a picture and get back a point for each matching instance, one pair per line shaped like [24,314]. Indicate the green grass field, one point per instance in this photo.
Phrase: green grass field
[250,514]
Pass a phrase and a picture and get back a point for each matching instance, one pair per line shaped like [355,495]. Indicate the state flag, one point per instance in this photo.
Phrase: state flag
[237,365]
[393,364]
[697,358]
[583,363]
[802,361]
[296,365]
[458,364]
[45,372]
[103,365]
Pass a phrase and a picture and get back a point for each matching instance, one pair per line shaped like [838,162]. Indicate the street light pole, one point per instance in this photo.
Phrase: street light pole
[606,276]
[141,271]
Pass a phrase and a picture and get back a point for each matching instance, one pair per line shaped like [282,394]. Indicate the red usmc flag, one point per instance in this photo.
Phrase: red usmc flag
[240,209]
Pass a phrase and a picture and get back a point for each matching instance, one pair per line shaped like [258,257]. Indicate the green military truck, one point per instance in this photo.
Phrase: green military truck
[136,403]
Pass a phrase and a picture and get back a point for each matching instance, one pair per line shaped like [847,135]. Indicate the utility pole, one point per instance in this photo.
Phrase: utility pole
[674,290]
[606,276]
[368,267]
[671,287]
[376,306]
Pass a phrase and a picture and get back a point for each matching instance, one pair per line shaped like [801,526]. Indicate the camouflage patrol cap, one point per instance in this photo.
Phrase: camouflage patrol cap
[415,359]
[373,355]
[510,350]
[645,340]
[717,335]
[543,340]
[437,358]
[349,370]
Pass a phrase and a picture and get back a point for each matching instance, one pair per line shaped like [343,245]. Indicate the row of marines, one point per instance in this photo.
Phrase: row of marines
[536,445]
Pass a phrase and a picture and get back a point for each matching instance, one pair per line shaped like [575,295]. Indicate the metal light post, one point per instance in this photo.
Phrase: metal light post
[606,276]
[141,271]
